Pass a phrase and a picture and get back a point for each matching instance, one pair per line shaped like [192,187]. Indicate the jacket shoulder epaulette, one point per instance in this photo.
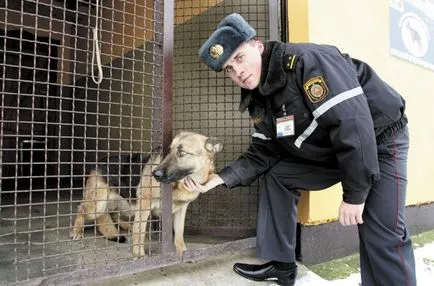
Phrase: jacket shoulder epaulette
[289,61]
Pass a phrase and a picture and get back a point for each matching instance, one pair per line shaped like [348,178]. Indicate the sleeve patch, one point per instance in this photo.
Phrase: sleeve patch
[316,89]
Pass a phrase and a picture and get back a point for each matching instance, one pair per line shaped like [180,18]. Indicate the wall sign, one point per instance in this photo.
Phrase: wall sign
[412,31]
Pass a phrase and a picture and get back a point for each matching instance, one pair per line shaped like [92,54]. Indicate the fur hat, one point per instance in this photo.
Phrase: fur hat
[232,32]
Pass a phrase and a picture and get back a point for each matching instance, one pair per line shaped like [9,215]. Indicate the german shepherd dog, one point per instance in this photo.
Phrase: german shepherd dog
[191,154]
[110,193]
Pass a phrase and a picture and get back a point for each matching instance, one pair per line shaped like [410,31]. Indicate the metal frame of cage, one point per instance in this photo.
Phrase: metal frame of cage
[71,119]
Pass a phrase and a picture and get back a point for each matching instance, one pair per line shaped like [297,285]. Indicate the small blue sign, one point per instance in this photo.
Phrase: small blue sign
[412,31]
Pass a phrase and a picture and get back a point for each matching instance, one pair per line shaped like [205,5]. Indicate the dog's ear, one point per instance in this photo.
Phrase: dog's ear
[213,145]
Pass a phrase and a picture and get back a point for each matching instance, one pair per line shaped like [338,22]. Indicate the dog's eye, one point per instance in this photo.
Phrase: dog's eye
[181,153]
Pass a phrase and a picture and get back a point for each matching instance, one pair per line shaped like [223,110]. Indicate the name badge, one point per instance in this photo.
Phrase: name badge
[285,126]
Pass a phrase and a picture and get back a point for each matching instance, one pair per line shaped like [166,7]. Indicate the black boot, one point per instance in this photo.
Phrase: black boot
[266,272]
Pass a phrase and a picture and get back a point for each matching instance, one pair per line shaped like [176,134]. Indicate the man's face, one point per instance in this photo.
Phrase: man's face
[244,66]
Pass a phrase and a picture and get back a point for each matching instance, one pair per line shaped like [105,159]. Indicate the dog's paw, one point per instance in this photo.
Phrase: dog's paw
[180,248]
[76,235]
[138,251]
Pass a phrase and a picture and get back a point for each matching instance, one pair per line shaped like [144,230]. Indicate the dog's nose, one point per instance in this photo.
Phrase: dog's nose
[158,174]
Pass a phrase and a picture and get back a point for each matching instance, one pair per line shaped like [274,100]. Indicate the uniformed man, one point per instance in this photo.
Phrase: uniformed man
[320,117]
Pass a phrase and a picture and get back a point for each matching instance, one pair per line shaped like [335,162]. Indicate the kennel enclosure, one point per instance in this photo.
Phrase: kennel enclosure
[87,79]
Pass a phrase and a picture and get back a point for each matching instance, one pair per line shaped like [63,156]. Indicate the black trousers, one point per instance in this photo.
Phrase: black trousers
[386,253]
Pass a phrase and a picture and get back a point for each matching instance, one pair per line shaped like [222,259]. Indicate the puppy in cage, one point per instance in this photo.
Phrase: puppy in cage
[191,155]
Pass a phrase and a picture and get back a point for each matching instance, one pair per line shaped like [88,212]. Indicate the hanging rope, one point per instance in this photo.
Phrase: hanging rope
[95,48]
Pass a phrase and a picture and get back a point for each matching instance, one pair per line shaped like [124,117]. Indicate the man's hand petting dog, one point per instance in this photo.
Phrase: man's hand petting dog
[192,186]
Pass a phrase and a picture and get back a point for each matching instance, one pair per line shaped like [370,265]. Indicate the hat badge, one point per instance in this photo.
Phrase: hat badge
[216,51]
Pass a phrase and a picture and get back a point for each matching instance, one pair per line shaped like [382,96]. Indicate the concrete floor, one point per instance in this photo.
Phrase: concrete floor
[35,242]
[218,270]
[211,271]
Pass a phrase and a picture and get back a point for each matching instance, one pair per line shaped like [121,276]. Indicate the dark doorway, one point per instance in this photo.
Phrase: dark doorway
[28,88]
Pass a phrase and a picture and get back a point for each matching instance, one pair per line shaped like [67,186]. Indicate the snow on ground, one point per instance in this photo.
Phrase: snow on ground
[424,257]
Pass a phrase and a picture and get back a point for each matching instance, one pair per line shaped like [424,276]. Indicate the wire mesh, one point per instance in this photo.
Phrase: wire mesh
[207,102]
[57,125]
[61,131]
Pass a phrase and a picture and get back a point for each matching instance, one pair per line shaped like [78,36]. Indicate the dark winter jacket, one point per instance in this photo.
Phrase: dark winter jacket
[341,108]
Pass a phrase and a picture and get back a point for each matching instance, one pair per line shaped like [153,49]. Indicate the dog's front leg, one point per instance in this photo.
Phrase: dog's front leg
[178,227]
[78,230]
[139,230]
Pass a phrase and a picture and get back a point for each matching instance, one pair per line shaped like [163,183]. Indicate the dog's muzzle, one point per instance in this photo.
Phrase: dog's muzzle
[161,175]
